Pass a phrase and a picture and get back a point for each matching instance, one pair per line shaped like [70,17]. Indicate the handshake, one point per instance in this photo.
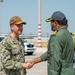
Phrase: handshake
[28,64]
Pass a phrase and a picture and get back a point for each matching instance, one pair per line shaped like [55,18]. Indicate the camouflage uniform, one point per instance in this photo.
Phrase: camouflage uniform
[12,56]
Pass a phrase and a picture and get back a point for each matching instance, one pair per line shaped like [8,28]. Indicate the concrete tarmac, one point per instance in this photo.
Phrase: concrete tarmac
[39,68]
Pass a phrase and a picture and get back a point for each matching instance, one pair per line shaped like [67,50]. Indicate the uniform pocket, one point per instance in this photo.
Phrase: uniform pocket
[15,51]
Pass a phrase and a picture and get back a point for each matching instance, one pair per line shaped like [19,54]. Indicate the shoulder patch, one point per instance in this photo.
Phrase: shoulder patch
[54,32]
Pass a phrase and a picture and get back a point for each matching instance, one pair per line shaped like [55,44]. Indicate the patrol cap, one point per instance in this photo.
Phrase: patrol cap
[16,20]
[56,16]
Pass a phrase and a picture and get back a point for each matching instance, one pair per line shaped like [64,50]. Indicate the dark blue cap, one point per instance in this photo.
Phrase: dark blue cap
[56,16]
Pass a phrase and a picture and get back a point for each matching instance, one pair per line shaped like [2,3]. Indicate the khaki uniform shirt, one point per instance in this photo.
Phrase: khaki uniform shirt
[60,53]
[73,36]
[12,56]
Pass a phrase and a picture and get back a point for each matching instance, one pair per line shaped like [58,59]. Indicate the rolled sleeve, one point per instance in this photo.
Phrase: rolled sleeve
[44,56]
[18,65]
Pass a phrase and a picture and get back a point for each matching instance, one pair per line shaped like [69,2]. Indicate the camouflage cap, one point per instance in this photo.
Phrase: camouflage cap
[16,20]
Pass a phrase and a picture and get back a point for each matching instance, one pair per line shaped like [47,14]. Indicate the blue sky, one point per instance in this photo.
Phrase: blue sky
[28,11]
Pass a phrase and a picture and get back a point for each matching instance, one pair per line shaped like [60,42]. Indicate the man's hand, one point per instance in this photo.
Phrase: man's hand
[28,64]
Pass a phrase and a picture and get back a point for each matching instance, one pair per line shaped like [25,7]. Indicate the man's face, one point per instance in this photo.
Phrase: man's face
[52,26]
[17,29]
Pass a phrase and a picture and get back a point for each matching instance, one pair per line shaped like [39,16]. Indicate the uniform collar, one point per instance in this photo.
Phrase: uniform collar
[54,32]
[62,27]
[13,39]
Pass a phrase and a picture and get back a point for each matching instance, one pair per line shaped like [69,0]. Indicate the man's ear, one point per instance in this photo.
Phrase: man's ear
[55,23]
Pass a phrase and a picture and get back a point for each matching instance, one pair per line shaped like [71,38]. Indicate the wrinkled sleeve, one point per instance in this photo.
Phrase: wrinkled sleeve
[56,48]
[8,63]
[44,56]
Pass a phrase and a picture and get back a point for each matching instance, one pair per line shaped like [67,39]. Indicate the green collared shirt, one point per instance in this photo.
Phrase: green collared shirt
[60,53]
